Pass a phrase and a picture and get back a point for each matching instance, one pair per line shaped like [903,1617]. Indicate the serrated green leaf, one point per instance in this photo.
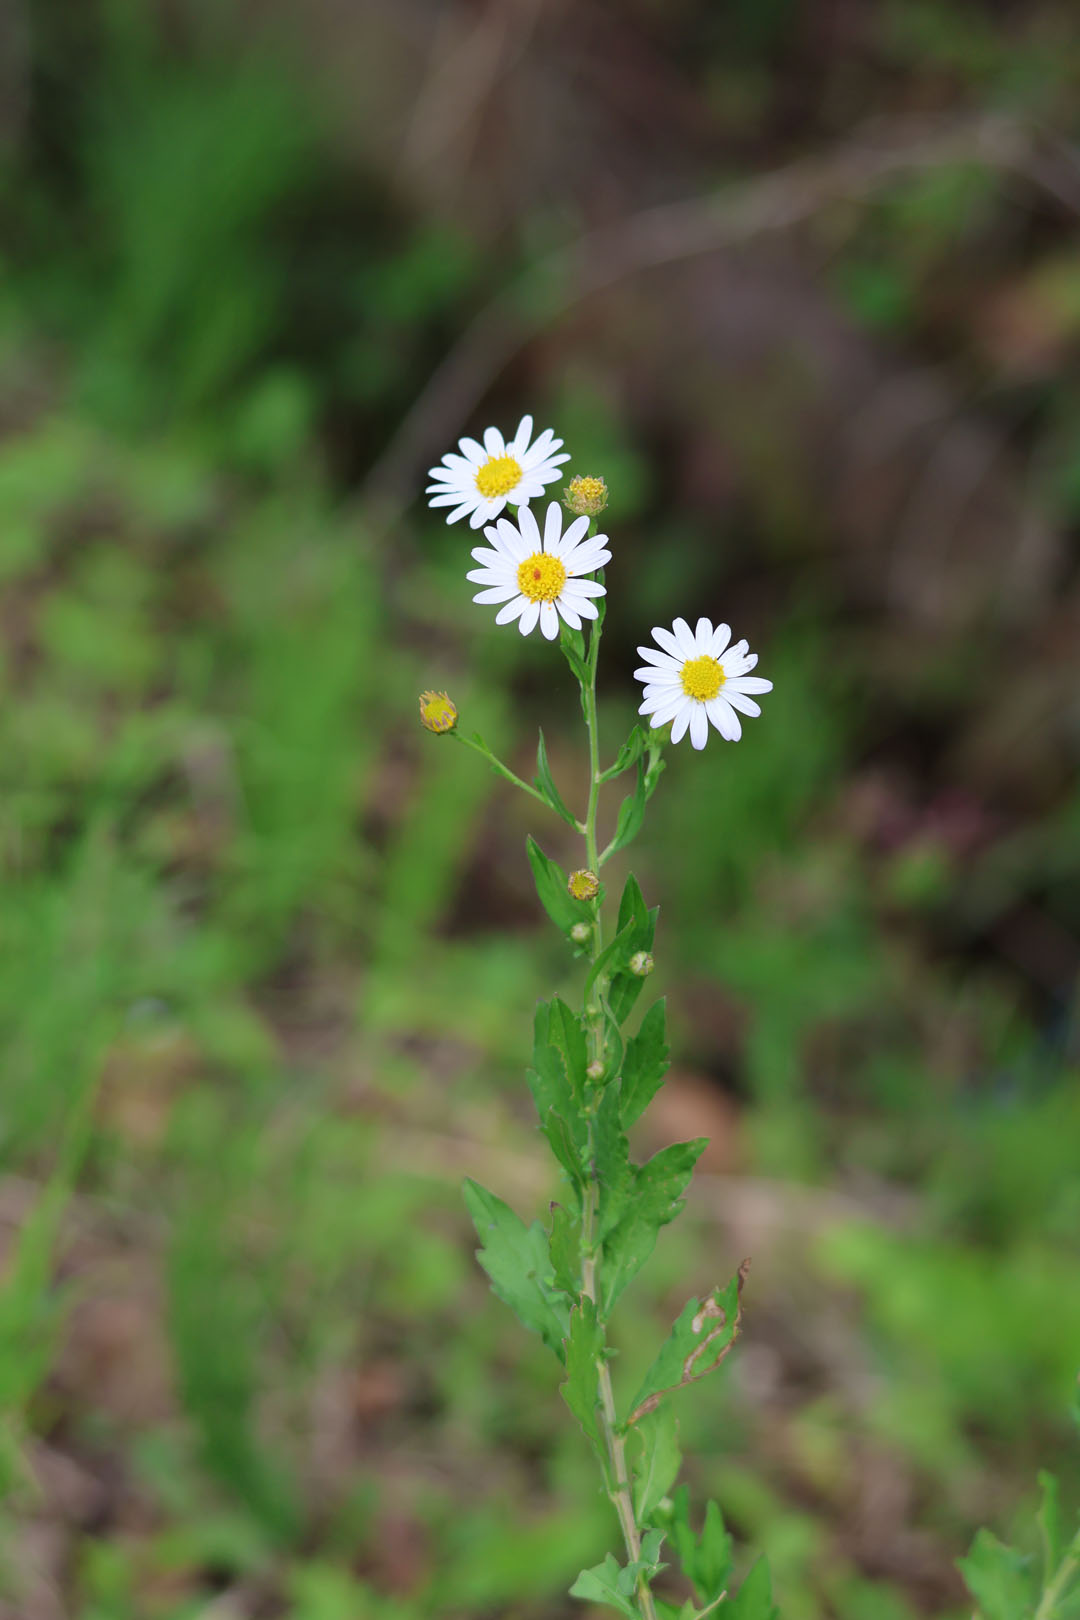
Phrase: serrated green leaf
[517,1260]
[611,1158]
[563,1247]
[601,1585]
[998,1578]
[656,1199]
[566,1032]
[696,1345]
[581,1389]
[753,1600]
[550,880]
[657,1465]
[631,815]
[546,784]
[706,1559]
[645,1063]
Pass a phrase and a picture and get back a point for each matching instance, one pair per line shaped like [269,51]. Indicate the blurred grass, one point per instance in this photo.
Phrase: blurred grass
[266,961]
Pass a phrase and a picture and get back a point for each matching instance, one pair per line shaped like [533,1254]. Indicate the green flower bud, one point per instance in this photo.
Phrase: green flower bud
[585,497]
[581,933]
[595,1071]
[641,964]
[583,885]
[438,712]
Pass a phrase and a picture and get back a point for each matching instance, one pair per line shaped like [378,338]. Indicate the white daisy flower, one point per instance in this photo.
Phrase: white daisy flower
[540,579]
[697,677]
[484,477]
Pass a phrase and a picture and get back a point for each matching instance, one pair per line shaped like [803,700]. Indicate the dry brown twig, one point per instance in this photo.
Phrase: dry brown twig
[672,232]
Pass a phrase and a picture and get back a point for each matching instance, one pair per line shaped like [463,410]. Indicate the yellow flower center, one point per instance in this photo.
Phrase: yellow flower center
[497,476]
[541,577]
[701,678]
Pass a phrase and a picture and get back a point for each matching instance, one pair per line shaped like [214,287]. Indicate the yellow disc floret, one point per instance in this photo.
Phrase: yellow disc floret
[497,476]
[541,577]
[438,712]
[701,678]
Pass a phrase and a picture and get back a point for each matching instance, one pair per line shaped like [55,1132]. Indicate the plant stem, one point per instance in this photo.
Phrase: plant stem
[505,772]
[1064,1574]
[618,1480]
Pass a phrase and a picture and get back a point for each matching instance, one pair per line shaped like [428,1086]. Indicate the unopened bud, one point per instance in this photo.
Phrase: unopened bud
[581,933]
[595,1071]
[583,885]
[585,497]
[641,964]
[438,712]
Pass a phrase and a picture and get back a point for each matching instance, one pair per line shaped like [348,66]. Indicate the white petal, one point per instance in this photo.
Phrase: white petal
[699,726]
[572,617]
[577,588]
[521,438]
[663,660]
[681,721]
[472,451]
[746,705]
[488,555]
[665,639]
[485,512]
[512,542]
[724,718]
[530,533]
[747,683]
[512,610]
[685,638]
[494,443]
[703,635]
[528,620]
[582,605]
[576,532]
[447,498]
[500,593]
[491,576]
[460,513]
[720,638]
[549,620]
[650,672]
[553,529]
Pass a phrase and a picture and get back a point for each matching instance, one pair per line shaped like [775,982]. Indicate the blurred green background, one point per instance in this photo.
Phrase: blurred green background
[268,953]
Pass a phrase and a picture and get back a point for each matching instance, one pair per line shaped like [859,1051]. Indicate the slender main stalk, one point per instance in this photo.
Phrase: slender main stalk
[1062,1578]
[618,1480]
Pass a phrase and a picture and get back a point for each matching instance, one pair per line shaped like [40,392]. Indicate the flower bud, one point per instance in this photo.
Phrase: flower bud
[641,964]
[581,933]
[585,497]
[583,885]
[595,1071]
[438,712]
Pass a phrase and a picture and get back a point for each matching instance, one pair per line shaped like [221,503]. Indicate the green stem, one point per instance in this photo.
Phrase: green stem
[1064,1574]
[618,1479]
[505,772]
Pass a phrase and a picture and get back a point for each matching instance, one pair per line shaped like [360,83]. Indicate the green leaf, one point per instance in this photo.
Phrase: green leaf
[581,1390]
[706,1560]
[628,755]
[518,1261]
[611,1157]
[753,1600]
[656,1198]
[632,907]
[563,1245]
[550,880]
[616,1585]
[695,1347]
[546,784]
[998,1577]
[657,1466]
[1048,1519]
[645,1064]
[558,1106]
[631,815]
[566,1033]
[601,1585]
[572,643]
